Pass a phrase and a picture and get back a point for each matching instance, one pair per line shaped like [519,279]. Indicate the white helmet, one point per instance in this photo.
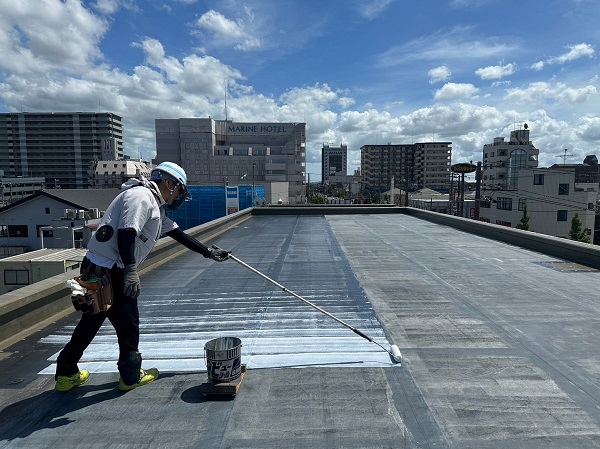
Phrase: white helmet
[170,170]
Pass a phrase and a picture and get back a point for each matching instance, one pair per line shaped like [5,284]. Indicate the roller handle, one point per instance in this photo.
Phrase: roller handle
[362,334]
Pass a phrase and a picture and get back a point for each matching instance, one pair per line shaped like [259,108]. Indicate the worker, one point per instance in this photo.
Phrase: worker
[129,229]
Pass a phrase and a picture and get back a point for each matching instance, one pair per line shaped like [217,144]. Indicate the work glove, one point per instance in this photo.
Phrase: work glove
[220,255]
[131,282]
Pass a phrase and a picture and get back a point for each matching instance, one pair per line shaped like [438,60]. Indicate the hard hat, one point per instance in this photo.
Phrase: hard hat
[174,171]
[170,170]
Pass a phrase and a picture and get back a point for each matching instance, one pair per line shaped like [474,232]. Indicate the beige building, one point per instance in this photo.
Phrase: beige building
[412,166]
[503,160]
[552,197]
[226,152]
[111,174]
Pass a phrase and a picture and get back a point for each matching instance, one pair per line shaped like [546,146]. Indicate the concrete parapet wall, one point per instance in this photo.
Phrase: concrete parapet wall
[581,253]
[328,209]
[22,310]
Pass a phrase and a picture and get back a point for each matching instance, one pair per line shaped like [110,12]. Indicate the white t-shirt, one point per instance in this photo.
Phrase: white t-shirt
[139,208]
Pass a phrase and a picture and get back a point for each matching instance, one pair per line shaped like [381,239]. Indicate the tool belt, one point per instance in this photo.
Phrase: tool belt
[97,291]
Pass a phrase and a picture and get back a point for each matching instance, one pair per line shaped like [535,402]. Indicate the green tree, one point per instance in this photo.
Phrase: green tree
[577,231]
[524,223]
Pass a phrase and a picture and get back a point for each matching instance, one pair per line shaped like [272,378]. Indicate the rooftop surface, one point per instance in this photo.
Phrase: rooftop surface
[499,346]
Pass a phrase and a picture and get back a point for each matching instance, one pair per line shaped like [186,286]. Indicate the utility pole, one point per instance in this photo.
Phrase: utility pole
[477,190]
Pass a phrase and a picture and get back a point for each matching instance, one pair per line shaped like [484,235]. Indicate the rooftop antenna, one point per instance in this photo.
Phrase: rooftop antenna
[564,156]
[225,99]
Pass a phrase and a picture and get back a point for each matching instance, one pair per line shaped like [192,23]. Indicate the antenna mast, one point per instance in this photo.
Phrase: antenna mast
[225,99]
[564,156]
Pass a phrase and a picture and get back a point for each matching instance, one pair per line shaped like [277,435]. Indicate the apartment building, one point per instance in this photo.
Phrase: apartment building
[503,160]
[58,146]
[226,152]
[413,166]
[552,197]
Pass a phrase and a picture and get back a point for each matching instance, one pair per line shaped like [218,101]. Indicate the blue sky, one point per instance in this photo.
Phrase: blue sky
[357,72]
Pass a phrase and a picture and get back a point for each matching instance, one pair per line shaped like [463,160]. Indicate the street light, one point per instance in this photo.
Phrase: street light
[253,196]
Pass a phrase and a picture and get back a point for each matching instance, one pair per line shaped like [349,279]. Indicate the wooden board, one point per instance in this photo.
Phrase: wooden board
[228,388]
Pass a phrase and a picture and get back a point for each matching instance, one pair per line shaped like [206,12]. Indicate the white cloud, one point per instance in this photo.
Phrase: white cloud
[372,8]
[108,7]
[496,71]
[590,128]
[457,44]
[229,31]
[48,35]
[451,91]
[575,52]
[537,66]
[542,92]
[439,74]
[346,102]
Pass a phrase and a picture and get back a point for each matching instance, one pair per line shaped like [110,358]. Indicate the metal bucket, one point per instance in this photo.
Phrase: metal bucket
[223,359]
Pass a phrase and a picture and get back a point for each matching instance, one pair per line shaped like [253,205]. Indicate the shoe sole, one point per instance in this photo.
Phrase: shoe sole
[69,387]
[124,387]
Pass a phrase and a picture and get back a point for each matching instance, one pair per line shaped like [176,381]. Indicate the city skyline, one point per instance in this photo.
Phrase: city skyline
[357,72]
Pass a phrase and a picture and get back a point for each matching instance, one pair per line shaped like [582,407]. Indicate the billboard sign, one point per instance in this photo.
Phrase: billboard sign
[232,199]
[464,167]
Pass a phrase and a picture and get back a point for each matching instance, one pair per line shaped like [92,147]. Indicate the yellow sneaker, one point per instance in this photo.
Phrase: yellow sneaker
[146,376]
[65,383]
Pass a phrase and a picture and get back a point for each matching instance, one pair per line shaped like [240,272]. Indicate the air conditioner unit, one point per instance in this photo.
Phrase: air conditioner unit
[70,214]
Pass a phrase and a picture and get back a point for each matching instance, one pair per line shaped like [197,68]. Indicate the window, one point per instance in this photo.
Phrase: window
[522,202]
[14,231]
[563,189]
[47,210]
[16,277]
[538,180]
[590,206]
[561,215]
[504,203]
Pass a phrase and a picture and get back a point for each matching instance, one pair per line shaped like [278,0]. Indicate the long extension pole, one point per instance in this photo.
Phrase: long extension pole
[394,353]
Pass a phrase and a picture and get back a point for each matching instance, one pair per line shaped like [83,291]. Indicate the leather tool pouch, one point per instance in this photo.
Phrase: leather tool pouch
[99,295]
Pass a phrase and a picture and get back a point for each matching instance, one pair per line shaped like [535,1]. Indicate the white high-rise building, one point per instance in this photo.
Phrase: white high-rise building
[503,160]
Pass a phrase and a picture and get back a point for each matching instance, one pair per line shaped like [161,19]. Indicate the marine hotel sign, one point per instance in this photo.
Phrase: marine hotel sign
[464,168]
[259,128]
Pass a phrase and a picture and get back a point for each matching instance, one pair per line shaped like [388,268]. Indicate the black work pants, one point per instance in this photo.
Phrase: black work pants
[123,315]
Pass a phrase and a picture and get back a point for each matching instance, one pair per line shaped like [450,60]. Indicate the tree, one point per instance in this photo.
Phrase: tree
[524,223]
[577,231]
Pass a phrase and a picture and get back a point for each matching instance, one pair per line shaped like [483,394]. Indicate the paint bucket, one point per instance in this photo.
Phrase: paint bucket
[223,359]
